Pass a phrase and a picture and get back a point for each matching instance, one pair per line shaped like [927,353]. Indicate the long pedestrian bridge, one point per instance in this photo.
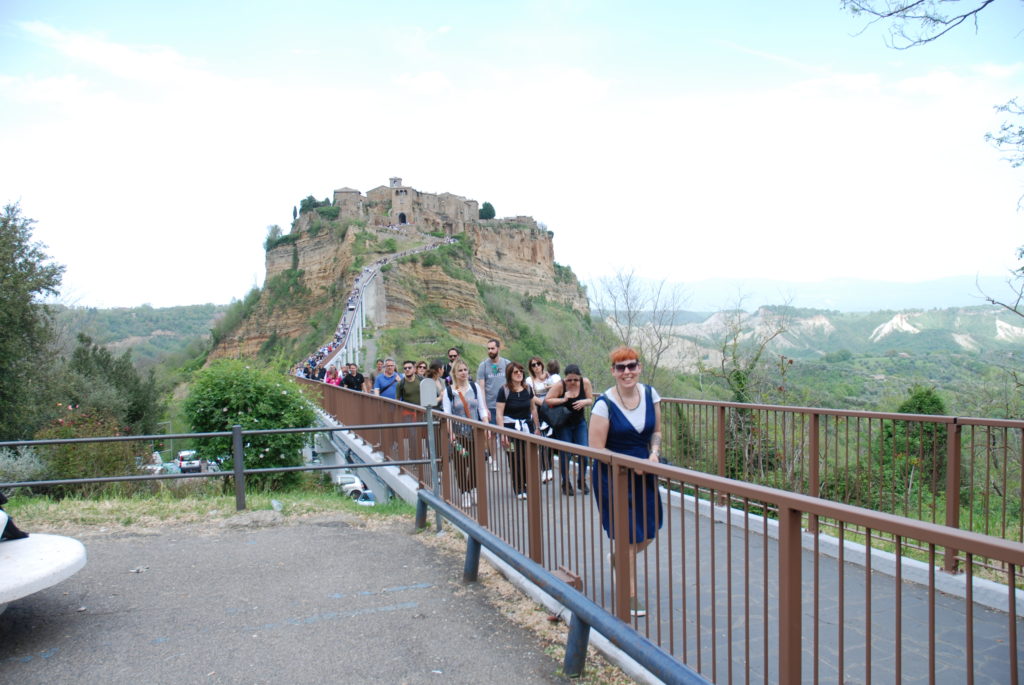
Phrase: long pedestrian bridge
[769,576]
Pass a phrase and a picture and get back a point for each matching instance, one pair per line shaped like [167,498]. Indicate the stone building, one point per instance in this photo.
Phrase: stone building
[396,204]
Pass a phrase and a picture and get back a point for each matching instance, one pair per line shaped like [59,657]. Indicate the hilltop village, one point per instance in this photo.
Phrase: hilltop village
[314,266]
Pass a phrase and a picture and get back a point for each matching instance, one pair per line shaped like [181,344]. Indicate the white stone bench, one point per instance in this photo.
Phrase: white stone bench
[35,563]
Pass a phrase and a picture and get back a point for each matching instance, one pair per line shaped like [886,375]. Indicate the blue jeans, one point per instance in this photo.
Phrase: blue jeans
[576,434]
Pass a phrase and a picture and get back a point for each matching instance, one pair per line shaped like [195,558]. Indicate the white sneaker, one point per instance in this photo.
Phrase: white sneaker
[521,495]
[467,499]
[494,464]
[547,476]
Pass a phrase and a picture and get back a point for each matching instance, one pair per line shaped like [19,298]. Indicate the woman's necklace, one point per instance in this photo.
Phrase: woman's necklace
[622,400]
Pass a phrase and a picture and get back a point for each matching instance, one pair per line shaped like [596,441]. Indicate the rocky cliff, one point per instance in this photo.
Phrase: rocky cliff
[311,270]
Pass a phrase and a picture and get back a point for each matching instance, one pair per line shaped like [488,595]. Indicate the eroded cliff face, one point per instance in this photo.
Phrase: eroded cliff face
[518,255]
[289,301]
[513,254]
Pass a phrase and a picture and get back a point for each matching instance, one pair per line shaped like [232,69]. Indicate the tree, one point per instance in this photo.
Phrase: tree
[232,392]
[97,379]
[1010,137]
[642,313]
[487,211]
[742,363]
[916,22]
[26,326]
[308,204]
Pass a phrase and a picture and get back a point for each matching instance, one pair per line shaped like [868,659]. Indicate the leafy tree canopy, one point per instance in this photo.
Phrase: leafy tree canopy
[487,211]
[232,392]
[98,379]
[26,328]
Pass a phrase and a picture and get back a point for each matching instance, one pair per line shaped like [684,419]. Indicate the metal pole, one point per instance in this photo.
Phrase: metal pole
[471,570]
[576,647]
[435,474]
[238,456]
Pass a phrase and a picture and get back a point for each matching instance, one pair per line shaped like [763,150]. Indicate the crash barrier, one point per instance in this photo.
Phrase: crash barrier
[741,580]
[586,615]
[238,472]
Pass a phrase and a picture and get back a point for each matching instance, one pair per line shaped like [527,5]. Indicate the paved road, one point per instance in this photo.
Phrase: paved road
[309,602]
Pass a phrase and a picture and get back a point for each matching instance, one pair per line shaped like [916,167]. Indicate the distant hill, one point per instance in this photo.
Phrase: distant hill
[816,333]
[151,333]
[845,294]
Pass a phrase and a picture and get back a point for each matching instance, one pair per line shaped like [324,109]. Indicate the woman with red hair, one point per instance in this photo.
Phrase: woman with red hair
[627,419]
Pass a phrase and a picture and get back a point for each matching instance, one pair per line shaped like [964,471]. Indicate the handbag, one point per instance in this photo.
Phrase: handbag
[557,417]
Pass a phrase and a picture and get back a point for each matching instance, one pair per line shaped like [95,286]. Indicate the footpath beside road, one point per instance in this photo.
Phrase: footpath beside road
[329,599]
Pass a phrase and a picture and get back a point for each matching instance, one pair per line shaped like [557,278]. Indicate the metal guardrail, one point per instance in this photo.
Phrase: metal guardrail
[586,615]
[238,472]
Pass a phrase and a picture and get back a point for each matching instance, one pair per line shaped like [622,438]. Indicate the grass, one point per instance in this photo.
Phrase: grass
[170,505]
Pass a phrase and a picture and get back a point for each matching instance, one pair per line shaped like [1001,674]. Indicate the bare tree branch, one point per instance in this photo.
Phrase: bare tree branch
[916,22]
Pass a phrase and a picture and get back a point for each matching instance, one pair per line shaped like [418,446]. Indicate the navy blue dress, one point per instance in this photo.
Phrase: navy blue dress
[643,500]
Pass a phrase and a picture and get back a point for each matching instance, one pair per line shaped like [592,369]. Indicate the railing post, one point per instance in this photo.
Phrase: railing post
[435,475]
[721,441]
[814,465]
[421,514]
[534,501]
[480,476]
[619,516]
[790,614]
[238,458]
[576,647]
[953,433]
[471,569]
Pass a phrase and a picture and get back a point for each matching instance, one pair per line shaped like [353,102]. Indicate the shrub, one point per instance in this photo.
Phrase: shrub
[329,212]
[288,239]
[20,464]
[88,460]
[230,392]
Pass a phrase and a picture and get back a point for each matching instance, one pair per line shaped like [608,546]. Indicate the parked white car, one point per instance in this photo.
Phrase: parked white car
[351,485]
[188,462]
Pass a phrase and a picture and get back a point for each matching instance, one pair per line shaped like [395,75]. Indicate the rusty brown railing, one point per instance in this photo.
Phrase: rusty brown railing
[761,581]
[961,472]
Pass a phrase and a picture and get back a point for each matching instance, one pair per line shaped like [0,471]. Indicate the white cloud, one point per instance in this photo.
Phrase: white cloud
[835,174]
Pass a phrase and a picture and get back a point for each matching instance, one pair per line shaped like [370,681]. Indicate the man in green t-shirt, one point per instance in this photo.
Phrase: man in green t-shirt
[409,386]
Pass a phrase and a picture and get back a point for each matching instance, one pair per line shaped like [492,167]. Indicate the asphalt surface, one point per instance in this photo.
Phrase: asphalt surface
[317,601]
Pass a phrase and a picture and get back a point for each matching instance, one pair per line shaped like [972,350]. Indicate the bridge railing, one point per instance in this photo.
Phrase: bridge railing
[960,472]
[751,575]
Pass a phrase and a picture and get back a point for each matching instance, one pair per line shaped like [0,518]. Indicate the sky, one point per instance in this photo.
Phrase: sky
[155,142]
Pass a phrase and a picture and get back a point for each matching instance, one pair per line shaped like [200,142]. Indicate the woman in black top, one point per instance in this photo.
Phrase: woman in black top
[574,392]
[516,409]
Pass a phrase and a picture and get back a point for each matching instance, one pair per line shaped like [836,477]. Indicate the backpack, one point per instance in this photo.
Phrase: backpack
[451,395]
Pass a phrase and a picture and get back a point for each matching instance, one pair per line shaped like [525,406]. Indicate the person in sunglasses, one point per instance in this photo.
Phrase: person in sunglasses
[446,375]
[490,376]
[627,419]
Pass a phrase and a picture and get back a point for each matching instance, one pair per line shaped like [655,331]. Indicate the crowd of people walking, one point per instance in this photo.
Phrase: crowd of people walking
[539,399]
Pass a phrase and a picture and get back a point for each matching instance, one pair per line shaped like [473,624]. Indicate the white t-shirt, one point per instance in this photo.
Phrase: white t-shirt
[637,417]
[541,388]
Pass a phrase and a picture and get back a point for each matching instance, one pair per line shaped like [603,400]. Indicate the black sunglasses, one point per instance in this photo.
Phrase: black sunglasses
[628,366]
